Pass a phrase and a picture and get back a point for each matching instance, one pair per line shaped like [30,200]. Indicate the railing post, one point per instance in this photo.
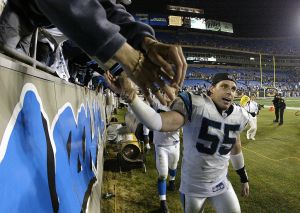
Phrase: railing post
[35,46]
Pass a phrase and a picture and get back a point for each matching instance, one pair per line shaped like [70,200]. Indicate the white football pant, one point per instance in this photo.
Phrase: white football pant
[253,128]
[226,202]
[166,157]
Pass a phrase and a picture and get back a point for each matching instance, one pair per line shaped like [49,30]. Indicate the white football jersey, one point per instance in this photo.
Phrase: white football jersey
[164,138]
[208,138]
[252,106]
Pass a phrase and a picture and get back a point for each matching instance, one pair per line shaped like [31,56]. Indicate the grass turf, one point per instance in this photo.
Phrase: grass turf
[272,162]
[290,102]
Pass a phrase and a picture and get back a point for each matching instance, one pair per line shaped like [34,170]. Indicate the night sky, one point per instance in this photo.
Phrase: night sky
[250,18]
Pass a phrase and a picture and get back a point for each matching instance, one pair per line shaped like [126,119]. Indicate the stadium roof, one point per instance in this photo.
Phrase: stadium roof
[255,18]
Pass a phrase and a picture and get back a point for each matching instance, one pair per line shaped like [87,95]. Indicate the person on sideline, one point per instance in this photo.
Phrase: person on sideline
[281,107]
[275,103]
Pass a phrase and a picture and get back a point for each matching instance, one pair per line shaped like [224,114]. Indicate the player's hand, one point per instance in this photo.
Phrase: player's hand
[121,85]
[245,189]
[112,83]
[109,76]
[169,57]
[150,78]
[144,73]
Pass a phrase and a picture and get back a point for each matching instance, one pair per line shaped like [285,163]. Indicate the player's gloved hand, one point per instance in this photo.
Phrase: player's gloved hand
[245,189]
[169,57]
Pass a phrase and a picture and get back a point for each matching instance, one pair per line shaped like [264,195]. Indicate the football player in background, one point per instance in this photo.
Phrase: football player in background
[252,108]
[211,136]
[146,132]
[167,152]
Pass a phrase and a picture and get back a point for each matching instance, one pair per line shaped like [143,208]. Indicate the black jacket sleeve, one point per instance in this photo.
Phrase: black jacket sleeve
[132,30]
[92,24]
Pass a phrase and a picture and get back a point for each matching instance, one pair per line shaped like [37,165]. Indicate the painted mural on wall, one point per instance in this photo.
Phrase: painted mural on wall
[48,168]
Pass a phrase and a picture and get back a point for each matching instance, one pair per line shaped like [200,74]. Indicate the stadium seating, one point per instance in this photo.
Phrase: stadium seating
[280,46]
[198,79]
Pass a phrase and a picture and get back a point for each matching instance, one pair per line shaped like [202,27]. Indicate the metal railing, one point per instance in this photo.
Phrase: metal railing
[13,53]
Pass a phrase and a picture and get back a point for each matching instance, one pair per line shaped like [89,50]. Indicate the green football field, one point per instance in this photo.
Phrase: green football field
[272,162]
[290,102]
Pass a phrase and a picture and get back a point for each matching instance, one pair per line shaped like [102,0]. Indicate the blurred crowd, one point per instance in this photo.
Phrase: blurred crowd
[249,81]
[280,46]
[72,63]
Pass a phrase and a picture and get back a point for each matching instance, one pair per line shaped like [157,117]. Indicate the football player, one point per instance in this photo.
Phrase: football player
[252,109]
[167,151]
[146,132]
[211,136]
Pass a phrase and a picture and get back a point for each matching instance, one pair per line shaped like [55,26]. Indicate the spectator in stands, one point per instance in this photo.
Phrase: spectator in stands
[281,107]
[276,106]
[44,50]
[16,30]
[104,30]
[98,82]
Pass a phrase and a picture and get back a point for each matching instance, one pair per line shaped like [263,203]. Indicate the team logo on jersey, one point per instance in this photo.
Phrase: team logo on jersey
[218,187]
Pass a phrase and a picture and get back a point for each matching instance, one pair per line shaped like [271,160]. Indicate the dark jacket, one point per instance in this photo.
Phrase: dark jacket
[281,104]
[275,101]
[99,27]
[29,10]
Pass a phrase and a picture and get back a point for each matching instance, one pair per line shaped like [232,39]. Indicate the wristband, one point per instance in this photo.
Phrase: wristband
[116,69]
[243,175]
[237,162]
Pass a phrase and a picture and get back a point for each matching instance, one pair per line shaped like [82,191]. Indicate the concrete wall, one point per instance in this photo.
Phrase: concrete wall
[51,142]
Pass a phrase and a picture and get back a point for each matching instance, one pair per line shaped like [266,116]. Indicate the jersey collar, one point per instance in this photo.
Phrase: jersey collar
[225,113]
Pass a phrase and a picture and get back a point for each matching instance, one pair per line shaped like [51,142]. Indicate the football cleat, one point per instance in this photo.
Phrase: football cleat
[163,207]
[171,186]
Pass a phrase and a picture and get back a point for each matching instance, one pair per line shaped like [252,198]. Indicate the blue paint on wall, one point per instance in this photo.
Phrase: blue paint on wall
[25,169]
[69,168]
